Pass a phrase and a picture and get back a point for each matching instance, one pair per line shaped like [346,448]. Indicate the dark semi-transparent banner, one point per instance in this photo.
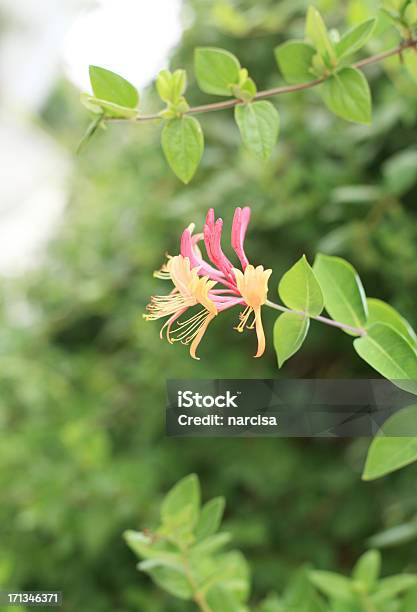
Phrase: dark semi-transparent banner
[291,408]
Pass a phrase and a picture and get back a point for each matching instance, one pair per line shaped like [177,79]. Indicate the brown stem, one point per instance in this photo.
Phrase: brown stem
[277,91]
[198,596]
[359,331]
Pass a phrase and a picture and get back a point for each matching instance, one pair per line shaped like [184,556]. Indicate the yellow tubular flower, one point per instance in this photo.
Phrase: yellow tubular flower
[189,290]
[253,287]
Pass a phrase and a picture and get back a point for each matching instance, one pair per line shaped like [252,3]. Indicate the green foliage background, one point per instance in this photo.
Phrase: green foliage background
[83,452]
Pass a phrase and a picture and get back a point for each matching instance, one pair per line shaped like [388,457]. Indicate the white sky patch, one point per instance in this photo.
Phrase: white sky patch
[33,193]
[130,37]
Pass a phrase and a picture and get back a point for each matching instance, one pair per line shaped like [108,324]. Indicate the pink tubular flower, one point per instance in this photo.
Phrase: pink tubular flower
[215,286]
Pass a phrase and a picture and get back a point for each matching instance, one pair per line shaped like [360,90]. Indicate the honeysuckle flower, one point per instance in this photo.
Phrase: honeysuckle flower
[214,286]
[189,290]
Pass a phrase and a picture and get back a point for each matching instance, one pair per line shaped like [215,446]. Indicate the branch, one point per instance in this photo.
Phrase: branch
[198,596]
[356,330]
[278,91]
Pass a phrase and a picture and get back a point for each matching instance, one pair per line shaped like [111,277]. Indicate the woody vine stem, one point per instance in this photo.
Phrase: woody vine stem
[276,91]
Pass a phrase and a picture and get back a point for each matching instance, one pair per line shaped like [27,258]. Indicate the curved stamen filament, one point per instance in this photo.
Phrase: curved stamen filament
[162,274]
[186,331]
[165,305]
[243,318]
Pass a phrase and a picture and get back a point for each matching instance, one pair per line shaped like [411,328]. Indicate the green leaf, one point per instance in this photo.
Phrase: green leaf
[400,172]
[146,547]
[173,581]
[381,312]
[331,584]
[247,90]
[410,14]
[211,544]
[258,123]
[387,452]
[300,290]
[394,536]
[210,518]
[344,296]
[111,87]
[367,569]
[290,331]
[355,38]
[90,131]
[217,70]
[300,595]
[234,575]
[220,599]
[183,145]
[394,5]
[90,104]
[110,109]
[171,86]
[272,603]
[316,32]
[393,586]
[390,354]
[347,95]
[294,59]
[184,496]
[410,61]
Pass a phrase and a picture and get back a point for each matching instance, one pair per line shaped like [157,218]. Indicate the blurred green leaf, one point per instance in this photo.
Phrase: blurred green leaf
[258,124]
[294,59]
[392,586]
[183,145]
[185,495]
[344,296]
[300,594]
[149,548]
[356,194]
[331,584]
[400,171]
[217,70]
[210,518]
[234,575]
[394,536]
[173,581]
[272,603]
[410,13]
[410,61]
[347,95]
[211,544]
[367,569]
[394,5]
[220,599]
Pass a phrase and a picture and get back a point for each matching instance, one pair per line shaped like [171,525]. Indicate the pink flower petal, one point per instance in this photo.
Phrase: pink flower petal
[188,249]
[212,239]
[240,225]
